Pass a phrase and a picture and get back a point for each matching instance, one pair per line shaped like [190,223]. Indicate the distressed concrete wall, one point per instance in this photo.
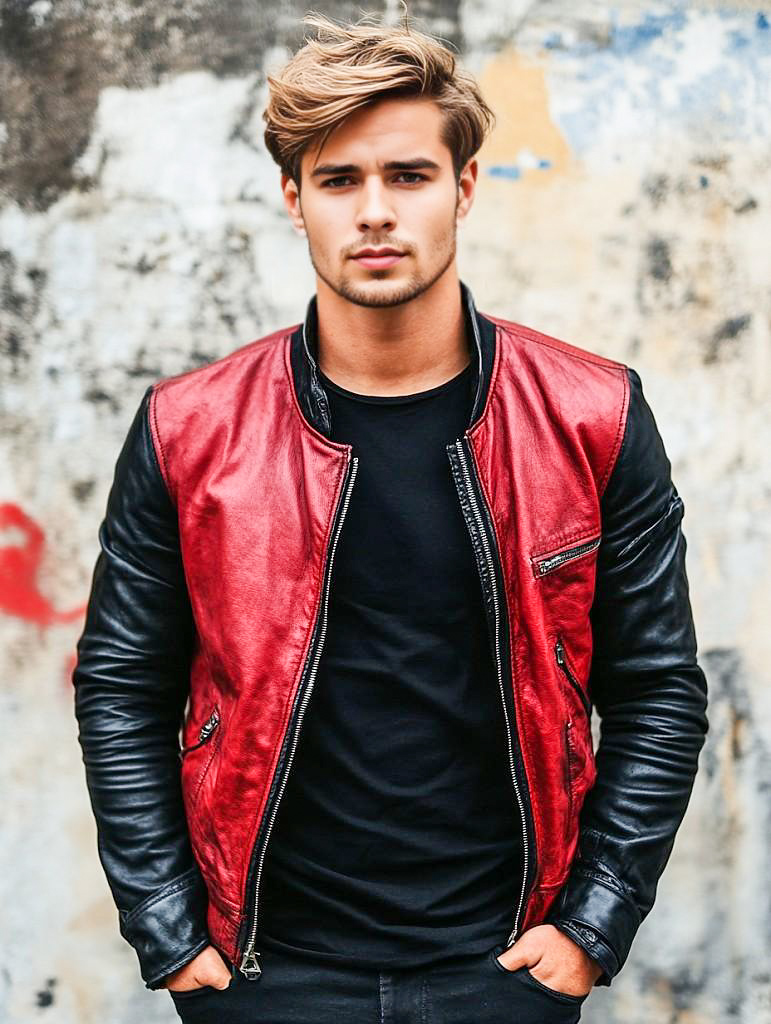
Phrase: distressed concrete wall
[622,205]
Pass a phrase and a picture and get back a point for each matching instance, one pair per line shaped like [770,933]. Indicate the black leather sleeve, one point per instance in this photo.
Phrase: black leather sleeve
[131,682]
[651,696]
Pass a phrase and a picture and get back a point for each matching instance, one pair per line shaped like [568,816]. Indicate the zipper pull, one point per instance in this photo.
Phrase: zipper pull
[209,725]
[560,652]
[250,966]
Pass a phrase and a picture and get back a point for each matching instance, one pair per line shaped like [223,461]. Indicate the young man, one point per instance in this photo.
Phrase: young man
[392,555]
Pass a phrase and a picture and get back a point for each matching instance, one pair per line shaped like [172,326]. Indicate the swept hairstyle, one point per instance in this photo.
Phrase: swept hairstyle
[348,66]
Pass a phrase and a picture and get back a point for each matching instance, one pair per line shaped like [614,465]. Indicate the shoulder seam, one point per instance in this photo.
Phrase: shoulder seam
[620,434]
[157,443]
[542,339]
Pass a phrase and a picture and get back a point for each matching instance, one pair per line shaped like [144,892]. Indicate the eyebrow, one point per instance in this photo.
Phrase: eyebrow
[419,163]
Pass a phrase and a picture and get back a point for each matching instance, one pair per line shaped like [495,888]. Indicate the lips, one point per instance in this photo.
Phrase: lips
[376,259]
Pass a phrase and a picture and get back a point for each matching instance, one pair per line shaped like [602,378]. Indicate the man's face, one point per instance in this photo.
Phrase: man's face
[383,180]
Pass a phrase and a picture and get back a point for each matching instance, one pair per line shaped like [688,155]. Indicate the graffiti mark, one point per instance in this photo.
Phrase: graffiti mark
[21,550]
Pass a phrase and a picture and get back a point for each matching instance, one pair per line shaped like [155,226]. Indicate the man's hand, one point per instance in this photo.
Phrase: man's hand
[208,968]
[560,963]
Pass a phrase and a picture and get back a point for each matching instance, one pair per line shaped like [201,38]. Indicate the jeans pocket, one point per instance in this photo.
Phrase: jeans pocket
[191,993]
[524,975]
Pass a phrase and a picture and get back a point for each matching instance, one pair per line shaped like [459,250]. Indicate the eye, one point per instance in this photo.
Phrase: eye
[330,182]
[412,174]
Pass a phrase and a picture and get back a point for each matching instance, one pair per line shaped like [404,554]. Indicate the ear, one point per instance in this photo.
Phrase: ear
[466,186]
[292,203]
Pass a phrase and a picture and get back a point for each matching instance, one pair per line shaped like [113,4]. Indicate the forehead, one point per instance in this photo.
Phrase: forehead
[389,129]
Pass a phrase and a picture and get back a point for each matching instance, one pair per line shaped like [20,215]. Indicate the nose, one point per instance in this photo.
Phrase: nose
[375,212]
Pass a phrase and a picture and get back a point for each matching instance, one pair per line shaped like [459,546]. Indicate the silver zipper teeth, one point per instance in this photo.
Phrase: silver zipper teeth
[565,556]
[249,953]
[491,565]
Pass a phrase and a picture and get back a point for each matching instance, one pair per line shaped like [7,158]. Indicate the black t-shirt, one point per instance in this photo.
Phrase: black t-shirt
[396,839]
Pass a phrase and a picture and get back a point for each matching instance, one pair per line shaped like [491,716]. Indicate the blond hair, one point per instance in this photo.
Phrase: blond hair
[347,67]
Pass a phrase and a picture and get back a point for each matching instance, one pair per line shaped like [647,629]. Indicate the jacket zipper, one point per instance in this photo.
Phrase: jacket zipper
[486,564]
[250,966]
[204,733]
[562,661]
[544,565]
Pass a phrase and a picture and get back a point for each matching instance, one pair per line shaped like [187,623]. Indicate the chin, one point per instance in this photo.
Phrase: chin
[379,290]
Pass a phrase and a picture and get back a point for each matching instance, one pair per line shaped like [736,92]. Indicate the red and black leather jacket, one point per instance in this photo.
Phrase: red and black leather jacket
[208,613]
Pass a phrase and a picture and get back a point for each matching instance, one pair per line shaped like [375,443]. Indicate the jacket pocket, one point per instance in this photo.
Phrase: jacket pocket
[202,753]
[205,733]
[547,561]
[561,658]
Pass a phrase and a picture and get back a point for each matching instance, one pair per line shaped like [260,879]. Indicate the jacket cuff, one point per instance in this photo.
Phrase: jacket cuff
[600,919]
[168,928]
[592,944]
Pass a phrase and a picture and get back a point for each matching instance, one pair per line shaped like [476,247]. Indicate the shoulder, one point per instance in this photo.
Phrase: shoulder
[193,413]
[586,393]
[228,369]
[545,347]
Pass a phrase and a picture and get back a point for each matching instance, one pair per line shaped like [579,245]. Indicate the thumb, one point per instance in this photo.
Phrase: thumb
[521,954]
[222,979]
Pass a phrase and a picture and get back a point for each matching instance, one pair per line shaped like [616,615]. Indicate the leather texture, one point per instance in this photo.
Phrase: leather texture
[131,685]
[207,592]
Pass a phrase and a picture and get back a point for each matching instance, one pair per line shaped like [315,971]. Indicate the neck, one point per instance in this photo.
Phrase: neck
[393,350]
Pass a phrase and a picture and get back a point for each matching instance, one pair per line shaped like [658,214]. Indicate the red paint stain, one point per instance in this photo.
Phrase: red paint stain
[21,551]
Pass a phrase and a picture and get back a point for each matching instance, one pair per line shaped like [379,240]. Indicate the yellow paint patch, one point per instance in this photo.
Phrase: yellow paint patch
[516,90]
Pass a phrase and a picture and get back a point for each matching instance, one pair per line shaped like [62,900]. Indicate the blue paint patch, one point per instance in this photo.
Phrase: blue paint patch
[526,162]
[509,171]
[642,64]
[738,41]
[703,180]
[631,38]
[554,41]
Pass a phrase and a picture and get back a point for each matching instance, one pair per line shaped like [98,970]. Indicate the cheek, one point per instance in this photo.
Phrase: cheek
[437,216]
[327,228]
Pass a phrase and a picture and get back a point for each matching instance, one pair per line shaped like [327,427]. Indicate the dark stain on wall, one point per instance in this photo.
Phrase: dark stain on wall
[746,206]
[44,997]
[98,396]
[656,188]
[82,489]
[658,259]
[723,339]
[20,304]
[52,73]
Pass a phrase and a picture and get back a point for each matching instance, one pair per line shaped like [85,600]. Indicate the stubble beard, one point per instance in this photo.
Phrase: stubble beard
[410,289]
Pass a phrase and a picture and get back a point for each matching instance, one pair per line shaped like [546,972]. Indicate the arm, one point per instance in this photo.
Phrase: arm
[651,696]
[131,683]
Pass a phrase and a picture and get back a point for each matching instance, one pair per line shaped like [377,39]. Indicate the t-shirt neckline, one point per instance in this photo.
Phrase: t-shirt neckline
[416,396]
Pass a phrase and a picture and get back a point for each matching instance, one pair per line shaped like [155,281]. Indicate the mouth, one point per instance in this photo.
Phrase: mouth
[377,259]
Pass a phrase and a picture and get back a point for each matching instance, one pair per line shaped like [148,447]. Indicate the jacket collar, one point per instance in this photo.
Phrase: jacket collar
[480,334]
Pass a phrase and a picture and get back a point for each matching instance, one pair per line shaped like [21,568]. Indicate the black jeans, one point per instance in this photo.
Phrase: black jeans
[465,990]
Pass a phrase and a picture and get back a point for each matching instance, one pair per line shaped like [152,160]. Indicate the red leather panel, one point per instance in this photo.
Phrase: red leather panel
[545,447]
[256,488]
